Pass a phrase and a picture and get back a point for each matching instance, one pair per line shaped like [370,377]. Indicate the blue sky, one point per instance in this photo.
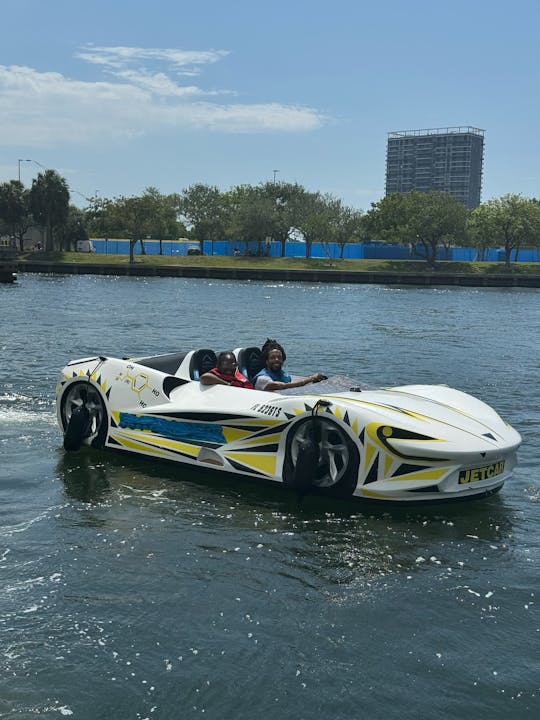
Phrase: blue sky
[125,94]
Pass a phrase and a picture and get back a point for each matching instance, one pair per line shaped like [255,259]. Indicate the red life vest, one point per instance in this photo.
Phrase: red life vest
[236,380]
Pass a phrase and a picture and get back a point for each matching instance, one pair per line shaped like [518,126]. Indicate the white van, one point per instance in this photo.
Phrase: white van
[85,246]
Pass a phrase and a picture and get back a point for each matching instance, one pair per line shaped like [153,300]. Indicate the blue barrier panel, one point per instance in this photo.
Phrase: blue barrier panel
[295,248]
[468,254]
[528,255]
[353,251]
[381,251]
[121,247]
[525,255]
[218,247]
[464,254]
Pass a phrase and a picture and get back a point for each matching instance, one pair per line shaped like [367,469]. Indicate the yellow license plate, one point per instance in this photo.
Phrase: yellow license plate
[481,473]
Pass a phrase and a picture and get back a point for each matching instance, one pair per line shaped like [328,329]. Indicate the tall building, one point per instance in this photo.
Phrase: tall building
[448,159]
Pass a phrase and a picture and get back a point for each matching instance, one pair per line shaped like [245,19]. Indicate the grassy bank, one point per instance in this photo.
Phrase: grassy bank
[398,266]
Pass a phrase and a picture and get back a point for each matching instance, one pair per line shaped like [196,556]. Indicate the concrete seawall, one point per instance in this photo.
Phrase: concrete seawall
[313,276]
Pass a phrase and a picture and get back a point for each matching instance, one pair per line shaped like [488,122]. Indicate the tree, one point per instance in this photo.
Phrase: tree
[74,229]
[14,210]
[134,216]
[149,215]
[203,210]
[481,232]
[317,218]
[418,218]
[511,221]
[100,218]
[49,203]
[346,227]
[251,215]
[163,220]
[287,200]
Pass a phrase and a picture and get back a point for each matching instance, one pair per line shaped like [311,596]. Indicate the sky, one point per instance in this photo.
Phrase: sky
[121,95]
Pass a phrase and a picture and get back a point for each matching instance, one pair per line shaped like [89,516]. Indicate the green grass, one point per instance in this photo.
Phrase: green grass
[399,266]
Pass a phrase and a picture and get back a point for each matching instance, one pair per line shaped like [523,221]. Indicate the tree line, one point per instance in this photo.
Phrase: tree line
[278,211]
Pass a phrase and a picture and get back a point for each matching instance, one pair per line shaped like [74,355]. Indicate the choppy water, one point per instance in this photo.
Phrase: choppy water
[131,589]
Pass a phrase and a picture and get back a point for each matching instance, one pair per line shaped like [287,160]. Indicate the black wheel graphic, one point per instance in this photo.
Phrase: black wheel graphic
[84,416]
[336,471]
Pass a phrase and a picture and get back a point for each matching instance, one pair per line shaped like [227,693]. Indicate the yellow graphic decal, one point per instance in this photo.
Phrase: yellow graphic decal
[266,440]
[260,422]
[417,416]
[372,494]
[374,446]
[388,462]
[158,441]
[94,376]
[133,445]
[231,434]
[370,452]
[430,474]
[266,463]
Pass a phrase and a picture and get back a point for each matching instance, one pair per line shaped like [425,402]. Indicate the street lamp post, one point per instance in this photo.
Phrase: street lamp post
[19,161]
[38,164]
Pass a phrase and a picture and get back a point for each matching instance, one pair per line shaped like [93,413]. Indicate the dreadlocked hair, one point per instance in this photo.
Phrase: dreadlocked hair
[272,345]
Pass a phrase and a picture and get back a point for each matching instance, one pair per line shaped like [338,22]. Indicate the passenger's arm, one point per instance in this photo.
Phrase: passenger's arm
[277,385]
[211,379]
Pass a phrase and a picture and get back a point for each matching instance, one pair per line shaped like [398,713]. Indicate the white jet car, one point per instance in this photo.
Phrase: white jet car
[406,444]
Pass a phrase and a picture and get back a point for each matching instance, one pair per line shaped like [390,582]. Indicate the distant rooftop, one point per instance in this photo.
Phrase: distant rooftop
[462,129]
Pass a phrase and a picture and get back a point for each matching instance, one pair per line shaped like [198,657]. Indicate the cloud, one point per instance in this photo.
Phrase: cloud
[161,84]
[119,57]
[47,108]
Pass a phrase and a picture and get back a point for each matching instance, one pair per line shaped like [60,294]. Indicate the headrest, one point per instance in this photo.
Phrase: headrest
[250,361]
[201,362]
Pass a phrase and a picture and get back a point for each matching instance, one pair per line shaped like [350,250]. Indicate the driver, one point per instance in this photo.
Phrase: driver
[226,373]
[272,376]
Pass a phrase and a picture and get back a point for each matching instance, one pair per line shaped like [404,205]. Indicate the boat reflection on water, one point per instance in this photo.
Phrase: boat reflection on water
[374,538]
[94,476]
[85,477]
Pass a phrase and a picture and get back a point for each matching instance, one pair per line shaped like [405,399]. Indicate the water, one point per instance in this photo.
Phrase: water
[133,589]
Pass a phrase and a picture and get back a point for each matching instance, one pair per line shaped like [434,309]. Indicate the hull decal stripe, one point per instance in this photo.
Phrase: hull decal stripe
[264,463]
[159,442]
[190,431]
[204,416]
[149,448]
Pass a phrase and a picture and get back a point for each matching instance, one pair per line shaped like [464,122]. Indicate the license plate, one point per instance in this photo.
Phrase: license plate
[478,474]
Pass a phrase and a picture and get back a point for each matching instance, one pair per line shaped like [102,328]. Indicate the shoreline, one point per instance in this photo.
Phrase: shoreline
[378,277]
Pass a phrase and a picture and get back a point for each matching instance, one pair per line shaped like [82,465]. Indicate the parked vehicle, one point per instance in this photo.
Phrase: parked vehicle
[86,246]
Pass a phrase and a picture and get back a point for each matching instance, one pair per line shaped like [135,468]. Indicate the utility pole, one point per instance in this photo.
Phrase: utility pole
[19,161]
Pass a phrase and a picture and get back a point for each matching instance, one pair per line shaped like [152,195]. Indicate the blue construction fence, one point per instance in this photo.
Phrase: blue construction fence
[331,251]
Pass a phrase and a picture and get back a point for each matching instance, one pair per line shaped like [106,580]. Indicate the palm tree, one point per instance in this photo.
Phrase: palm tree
[49,203]
[14,213]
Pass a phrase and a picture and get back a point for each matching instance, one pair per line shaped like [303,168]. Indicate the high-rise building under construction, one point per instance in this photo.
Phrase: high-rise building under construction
[447,159]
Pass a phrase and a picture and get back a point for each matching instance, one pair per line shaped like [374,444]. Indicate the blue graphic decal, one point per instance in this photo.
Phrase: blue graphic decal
[174,429]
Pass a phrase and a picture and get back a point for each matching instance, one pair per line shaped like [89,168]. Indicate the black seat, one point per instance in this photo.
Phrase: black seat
[250,361]
[168,363]
[201,362]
